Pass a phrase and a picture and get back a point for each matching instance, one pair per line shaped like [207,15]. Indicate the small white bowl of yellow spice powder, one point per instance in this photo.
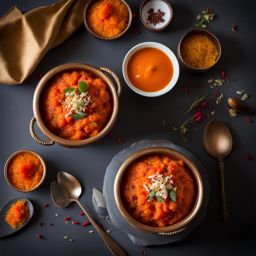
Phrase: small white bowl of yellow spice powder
[199,50]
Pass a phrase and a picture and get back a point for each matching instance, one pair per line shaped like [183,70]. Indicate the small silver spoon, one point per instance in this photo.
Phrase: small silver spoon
[68,190]
[218,143]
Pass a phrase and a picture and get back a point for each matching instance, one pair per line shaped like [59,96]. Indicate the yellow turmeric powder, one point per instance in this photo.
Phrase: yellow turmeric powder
[199,51]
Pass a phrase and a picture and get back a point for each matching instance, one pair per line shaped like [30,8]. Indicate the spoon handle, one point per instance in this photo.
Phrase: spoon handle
[115,249]
[225,213]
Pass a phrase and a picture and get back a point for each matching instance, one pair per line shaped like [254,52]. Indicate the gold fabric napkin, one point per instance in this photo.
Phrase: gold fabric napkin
[26,38]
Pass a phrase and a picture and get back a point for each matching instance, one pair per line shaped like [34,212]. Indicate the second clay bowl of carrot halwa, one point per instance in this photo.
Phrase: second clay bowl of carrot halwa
[158,190]
[75,105]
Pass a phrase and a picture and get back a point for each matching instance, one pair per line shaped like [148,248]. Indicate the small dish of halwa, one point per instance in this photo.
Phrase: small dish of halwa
[25,170]
[107,19]
[158,190]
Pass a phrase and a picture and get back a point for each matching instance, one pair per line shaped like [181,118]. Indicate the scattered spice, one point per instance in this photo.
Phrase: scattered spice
[90,231]
[51,224]
[39,236]
[143,252]
[232,112]
[198,50]
[205,17]
[243,95]
[155,17]
[135,15]
[67,218]
[86,223]
[120,140]
[75,223]
[223,74]
[108,231]
[197,117]
[219,99]
[185,90]
[81,214]
[198,101]
[234,28]
[56,214]
[249,119]
[45,205]
[65,237]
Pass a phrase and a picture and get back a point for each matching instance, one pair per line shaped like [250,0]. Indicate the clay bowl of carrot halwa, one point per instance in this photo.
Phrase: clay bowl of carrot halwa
[107,19]
[158,190]
[75,104]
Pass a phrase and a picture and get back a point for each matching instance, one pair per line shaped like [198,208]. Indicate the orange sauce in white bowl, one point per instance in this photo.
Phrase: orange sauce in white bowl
[150,69]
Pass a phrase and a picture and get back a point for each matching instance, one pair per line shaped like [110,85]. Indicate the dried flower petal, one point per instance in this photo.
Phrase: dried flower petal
[75,223]
[39,236]
[86,223]
[234,28]
[249,119]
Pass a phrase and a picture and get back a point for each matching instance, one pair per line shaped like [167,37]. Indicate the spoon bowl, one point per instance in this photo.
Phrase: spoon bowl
[218,143]
[218,139]
[5,229]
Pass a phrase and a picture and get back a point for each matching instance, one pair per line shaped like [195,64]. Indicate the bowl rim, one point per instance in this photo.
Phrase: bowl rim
[87,6]
[44,81]
[211,36]
[171,56]
[166,151]
[10,158]
[152,28]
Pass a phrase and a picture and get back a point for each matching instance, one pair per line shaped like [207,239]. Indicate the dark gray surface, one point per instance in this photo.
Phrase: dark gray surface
[141,118]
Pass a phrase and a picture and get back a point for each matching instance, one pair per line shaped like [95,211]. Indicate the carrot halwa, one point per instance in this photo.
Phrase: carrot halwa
[76,105]
[108,18]
[17,214]
[158,191]
[25,171]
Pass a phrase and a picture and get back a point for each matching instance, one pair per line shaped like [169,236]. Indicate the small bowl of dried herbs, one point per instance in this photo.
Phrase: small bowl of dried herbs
[199,50]
[156,15]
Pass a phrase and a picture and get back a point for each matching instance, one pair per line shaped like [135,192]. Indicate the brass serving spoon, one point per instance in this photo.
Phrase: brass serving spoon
[68,190]
[218,143]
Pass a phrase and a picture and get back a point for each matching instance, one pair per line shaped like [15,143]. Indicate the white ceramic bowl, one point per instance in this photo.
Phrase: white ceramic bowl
[168,52]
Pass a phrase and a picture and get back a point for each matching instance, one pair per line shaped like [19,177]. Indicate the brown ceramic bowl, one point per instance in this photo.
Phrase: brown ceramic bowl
[87,7]
[164,6]
[170,230]
[114,87]
[213,38]
[7,166]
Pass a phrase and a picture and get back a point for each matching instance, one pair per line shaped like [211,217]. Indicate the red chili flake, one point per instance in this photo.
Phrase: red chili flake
[120,140]
[135,15]
[67,218]
[109,135]
[204,104]
[81,214]
[41,224]
[45,205]
[249,119]
[248,157]
[75,223]
[135,32]
[39,236]
[86,223]
[234,28]
[222,74]
[197,117]
[186,90]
